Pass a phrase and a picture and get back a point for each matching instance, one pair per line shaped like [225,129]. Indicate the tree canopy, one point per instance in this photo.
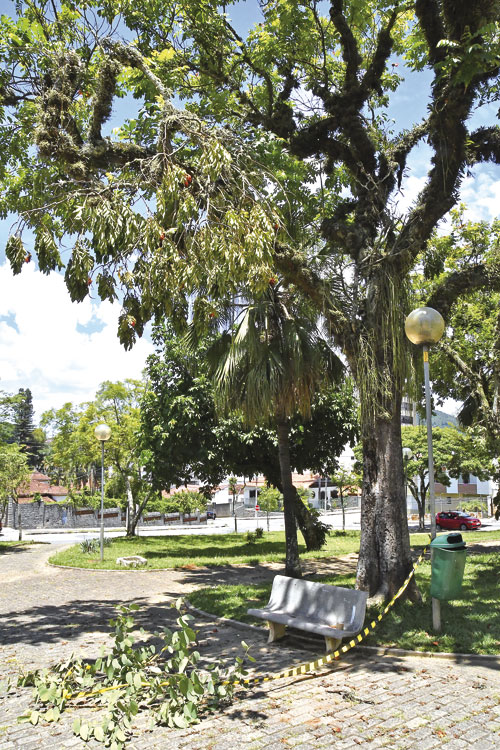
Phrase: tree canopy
[455,453]
[75,457]
[252,156]
[14,472]
[184,435]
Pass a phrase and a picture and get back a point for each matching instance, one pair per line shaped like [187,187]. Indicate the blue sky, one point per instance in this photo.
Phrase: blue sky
[62,351]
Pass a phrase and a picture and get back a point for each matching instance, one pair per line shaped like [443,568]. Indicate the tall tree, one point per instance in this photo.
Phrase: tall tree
[346,482]
[269,365]
[8,404]
[455,453]
[75,454]
[14,472]
[184,435]
[466,363]
[282,162]
[24,432]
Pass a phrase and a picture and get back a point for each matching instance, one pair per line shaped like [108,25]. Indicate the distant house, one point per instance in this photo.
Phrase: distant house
[39,484]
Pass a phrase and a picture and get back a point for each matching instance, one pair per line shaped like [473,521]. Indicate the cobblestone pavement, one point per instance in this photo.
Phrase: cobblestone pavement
[369,701]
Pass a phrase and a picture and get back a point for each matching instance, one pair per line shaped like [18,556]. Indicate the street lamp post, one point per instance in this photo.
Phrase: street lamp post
[102,433]
[425,326]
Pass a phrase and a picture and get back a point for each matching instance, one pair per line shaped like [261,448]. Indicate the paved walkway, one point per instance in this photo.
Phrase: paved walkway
[369,701]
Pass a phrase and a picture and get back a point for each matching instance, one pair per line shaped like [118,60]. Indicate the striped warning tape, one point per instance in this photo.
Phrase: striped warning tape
[300,669]
[333,655]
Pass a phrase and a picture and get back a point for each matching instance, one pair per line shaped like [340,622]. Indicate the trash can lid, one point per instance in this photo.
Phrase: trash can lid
[449,541]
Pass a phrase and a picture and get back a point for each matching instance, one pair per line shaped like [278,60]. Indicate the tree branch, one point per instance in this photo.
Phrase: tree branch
[429,17]
[473,378]
[460,283]
[350,53]
[372,78]
[484,145]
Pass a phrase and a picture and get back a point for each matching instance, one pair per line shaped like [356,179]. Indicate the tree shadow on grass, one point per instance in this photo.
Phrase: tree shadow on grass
[214,551]
[12,549]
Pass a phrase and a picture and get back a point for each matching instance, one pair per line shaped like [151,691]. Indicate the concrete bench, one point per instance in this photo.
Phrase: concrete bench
[330,611]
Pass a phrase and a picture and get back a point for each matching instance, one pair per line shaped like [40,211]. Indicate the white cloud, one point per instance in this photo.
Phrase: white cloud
[42,349]
[481,194]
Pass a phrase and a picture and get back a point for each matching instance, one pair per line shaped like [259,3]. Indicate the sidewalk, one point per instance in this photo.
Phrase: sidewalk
[382,701]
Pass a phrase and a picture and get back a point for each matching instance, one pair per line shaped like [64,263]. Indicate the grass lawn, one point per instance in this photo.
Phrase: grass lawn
[222,549]
[203,550]
[6,546]
[470,625]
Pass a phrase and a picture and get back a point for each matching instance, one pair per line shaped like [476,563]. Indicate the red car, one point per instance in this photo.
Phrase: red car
[456,519]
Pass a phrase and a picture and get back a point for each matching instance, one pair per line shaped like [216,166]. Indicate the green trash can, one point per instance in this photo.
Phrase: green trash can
[447,566]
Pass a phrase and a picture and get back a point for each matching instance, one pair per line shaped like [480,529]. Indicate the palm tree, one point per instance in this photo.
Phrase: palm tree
[269,364]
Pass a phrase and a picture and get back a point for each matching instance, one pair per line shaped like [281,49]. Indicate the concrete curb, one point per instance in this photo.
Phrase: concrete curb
[109,570]
[483,659]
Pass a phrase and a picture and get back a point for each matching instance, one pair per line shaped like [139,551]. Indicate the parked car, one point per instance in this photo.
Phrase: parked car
[211,514]
[456,519]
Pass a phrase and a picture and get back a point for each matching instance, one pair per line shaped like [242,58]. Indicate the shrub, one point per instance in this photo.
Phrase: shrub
[166,682]
[92,546]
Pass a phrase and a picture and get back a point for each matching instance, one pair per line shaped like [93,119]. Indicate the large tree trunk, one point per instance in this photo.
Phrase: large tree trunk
[313,530]
[131,510]
[292,565]
[384,556]
[421,505]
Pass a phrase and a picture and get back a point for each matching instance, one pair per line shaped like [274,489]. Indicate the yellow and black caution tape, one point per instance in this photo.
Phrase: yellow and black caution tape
[333,655]
[300,669]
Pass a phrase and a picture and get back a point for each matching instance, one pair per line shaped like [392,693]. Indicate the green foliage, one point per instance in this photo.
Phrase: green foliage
[253,536]
[455,453]
[92,546]
[75,454]
[8,410]
[278,164]
[270,499]
[473,506]
[186,501]
[466,365]
[24,432]
[14,472]
[183,434]
[86,499]
[166,682]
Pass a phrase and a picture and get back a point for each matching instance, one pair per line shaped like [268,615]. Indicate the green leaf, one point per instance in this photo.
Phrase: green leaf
[137,681]
[180,721]
[84,732]
[99,733]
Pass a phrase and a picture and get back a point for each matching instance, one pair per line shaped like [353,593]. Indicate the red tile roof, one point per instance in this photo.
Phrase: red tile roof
[41,483]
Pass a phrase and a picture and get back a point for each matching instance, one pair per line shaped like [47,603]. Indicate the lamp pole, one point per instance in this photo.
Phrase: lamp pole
[102,433]
[425,326]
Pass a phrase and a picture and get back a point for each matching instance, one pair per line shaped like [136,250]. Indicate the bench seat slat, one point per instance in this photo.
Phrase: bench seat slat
[301,624]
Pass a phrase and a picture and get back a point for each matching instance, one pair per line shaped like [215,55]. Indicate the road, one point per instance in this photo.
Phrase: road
[219,526]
